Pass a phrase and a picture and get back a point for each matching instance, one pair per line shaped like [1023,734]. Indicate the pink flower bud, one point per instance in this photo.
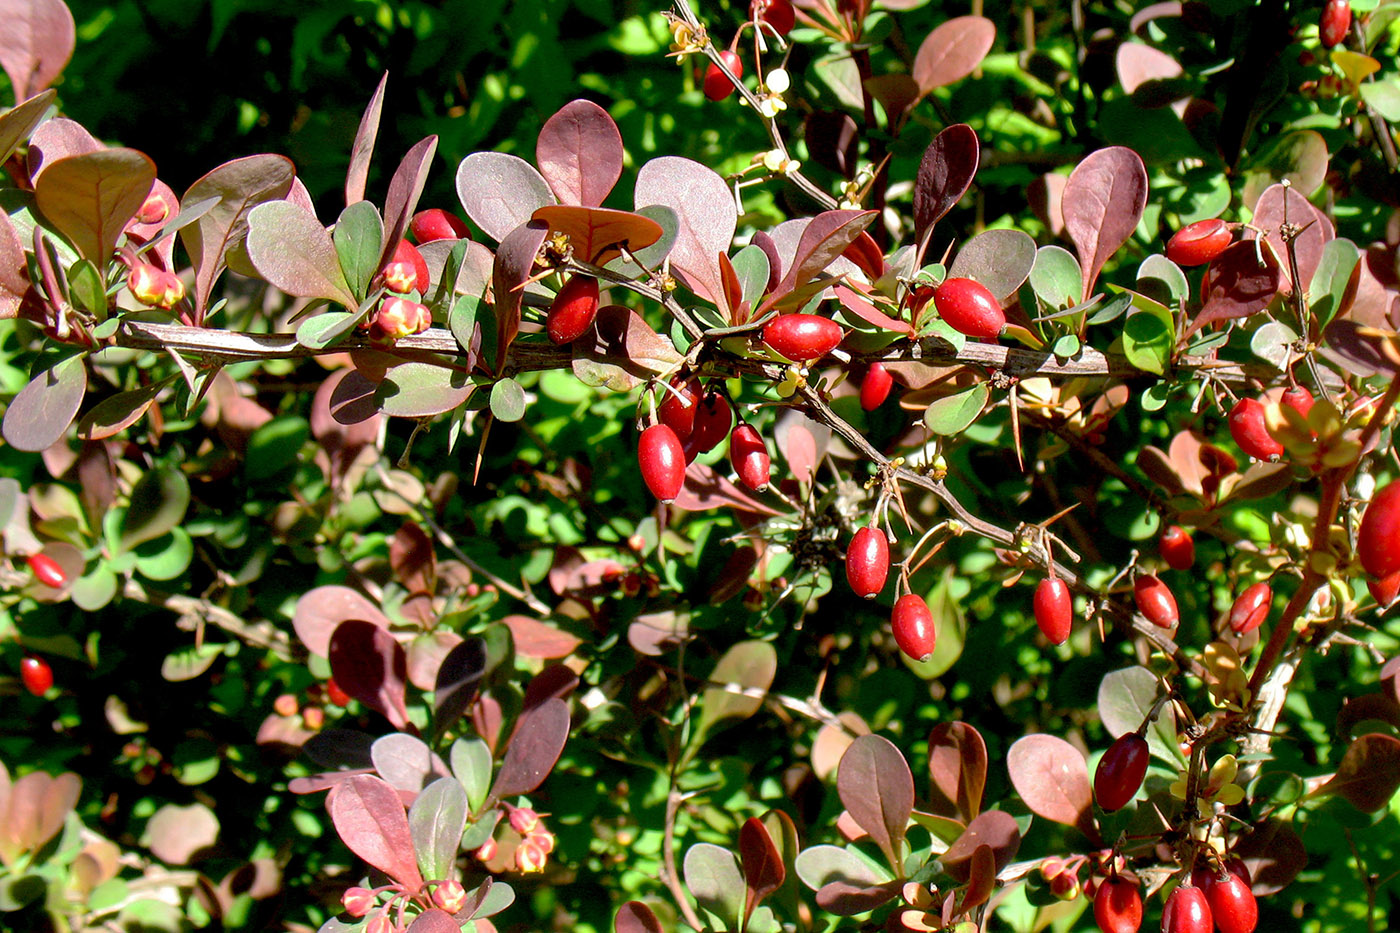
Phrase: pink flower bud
[401,277]
[530,857]
[285,704]
[155,287]
[381,924]
[450,896]
[357,901]
[487,851]
[524,820]
[542,838]
[153,210]
[399,317]
[406,252]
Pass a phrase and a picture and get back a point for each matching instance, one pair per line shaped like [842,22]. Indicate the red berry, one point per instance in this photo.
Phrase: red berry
[1378,541]
[750,457]
[1054,609]
[1385,590]
[662,461]
[1177,548]
[802,337]
[717,84]
[47,570]
[776,13]
[1187,911]
[437,224]
[1118,906]
[1120,771]
[1248,429]
[969,307]
[1232,905]
[1251,608]
[875,387]
[407,254]
[1299,399]
[912,625]
[1155,601]
[336,695]
[1332,29]
[36,674]
[573,310]
[712,424]
[1198,243]
[868,562]
[678,408]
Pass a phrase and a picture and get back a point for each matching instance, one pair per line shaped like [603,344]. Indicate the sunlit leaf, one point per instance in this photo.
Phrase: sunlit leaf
[1053,779]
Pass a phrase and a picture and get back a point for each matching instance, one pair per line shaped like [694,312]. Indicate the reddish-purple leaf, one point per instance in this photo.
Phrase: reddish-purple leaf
[319,611]
[536,639]
[802,442]
[705,490]
[371,666]
[39,415]
[405,188]
[499,191]
[412,558]
[1153,11]
[458,679]
[1102,204]
[636,917]
[982,880]
[894,92]
[1052,778]
[369,816]
[957,765]
[775,261]
[36,41]
[995,829]
[515,261]
[953,51]
[876,788]
[763,864]
[733,291]
[316,783]
[290,249]
[1390,678]
[1274,855]
[595,233]
[706,213]
[945,173]
[90,198]
[434,920]
[363,148]
[854,300]
[340,443]
[621,350]
[1369,773]
[554,682]
[406,762]
[1236,285]
[55,139]
[539,739]
[845,899]
[1138,64]
[19,123]
[823,241]
[580,153]
[1378,706]
[833,141]
[1279,204]
[176,834]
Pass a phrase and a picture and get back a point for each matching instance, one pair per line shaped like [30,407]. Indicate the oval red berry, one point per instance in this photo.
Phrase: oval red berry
[1335,23]
[1251,608]
[750,457]
[868,562]
[1299,399]
[1054,609]
[913,628]
[778,14]
[717,85]
[712,424]
[1177,548]
[1378,541]
[802,337]
[969,307]
[1248,428]
[47,570]
[1187,911]
[1118,906]
[1232,905]
[1385,590]
[875,387]
[573,310]
[36,675]
[662,462]
[677,410]
[438,224]
[1199,243]
[1120,771]
[1155,600]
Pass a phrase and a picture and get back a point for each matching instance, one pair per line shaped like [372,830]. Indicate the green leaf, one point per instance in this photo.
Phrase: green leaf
[951,623]
[1056,278]
[470,760]
[714,879]
[323,330]
[1148,337]
[166,557]
[158,503]
[507,400]
[751,267]
[1329,284]
[275,446]
[1125,698]
[1384,95]
[42,411]
[86,288]
[419,390]
[437,820]
[358,237]
[953,414]
[188,663]
[95,590]
[1161,279]
[746,670]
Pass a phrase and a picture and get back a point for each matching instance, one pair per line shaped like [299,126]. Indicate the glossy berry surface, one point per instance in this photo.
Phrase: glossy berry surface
[750,457]
[677,410]
[1187,911]
[438,224]
[1118,906]
[802,337]
[875,387]
[1120,771]
[336,695]
[1378,541]
[717,85]
[1155,600]
[912,625]
[1054,609]
[1250,608]
[712,424]
[1299,399]
[47,570]
[573,310]
[1384,590]
[1248,429]
[662,461]
[1198,243]
[778,14]
[1177,548]
[969,307]
[1335,23]
[868,562]
[1232,905]
[36,675]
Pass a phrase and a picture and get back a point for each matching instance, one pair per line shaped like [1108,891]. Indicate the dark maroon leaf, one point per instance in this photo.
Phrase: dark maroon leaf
[1236,285]
[1274,855]
[340,748]
[953,51]
[775,261]
[405,188]
[363,148]
[515,263]
[823,241]
[319,611]
[369,816]
[1102,204]
[945,172]
[340,443]
[1390,678]
[982,881]
[595,233]
[707,215]
[845,899]
[763,864]
[371,666]
[1279,205]
[554,682]
[90,198]
[957,765]
[995,828]
[833,141]
[877,789]
[1360,352]
[1369,773]
[36,41]
[1053,779]
[412,558]
[580,154]
[539,738]
[636,917]
[1153,11]
[1378,706]
[499,192]
[894,92]
[457,682]
[434,920]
